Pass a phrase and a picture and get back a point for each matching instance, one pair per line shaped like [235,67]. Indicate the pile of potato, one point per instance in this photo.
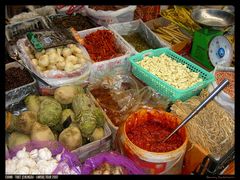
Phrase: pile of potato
[65,58]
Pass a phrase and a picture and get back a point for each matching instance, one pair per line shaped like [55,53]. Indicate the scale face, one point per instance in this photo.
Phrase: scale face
[220,51]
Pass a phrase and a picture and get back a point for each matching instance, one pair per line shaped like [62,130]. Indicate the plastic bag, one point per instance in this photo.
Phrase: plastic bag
[113,158]
[120,63]
[116,95]
[108,17]
[223,98]
[57,78]
[68,159]
[138,26]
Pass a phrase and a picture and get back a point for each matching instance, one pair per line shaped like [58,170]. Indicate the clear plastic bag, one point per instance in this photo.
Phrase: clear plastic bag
[57,78]
[68,159]
[116,95]
[104,18]
[113,158]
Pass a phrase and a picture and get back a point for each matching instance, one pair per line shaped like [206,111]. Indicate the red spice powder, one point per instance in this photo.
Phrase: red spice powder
[148,136]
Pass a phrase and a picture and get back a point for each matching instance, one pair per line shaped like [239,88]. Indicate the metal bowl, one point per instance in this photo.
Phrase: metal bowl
[213,17]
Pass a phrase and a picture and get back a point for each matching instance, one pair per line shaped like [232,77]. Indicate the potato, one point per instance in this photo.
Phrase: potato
[53,58]
[76,50]
[51,50]
[52,67]
[38,55]
[35,62]
[77,66]
[66,52]
[60,65]
[68,67]
[72,59]
[43,61]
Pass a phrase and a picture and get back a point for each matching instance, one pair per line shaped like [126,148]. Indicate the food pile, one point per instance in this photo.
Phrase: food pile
[174,73]
[78,22]
[69,116]
[229,89]
[137,41]
[37,161]
[16,77]
[64,58]
[106,168]
[148,128]
[101,45]
[182,17]
[212,127]
[171,33]
[107,7]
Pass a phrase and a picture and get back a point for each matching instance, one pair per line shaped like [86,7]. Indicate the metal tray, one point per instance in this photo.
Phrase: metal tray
[213,17]
[17,94]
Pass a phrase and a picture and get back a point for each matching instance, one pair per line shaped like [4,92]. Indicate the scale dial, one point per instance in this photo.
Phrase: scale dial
[220,51]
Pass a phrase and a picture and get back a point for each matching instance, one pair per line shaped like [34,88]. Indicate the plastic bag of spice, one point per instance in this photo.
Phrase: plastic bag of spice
[116,95]
[225,98]
[110,163]
[107,15]
[137,35]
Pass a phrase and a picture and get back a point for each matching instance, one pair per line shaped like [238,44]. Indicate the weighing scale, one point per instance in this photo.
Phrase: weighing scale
[210,47]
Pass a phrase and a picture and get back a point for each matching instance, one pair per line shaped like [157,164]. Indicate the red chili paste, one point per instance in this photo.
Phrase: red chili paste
[148,136]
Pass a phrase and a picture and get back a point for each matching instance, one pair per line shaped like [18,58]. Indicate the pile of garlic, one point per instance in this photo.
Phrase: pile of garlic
[65,58]
[36,162]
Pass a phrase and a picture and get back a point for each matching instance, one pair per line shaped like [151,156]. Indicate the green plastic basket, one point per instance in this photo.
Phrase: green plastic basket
[161,86]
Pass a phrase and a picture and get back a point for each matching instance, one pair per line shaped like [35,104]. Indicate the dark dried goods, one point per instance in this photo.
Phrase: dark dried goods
[16,77]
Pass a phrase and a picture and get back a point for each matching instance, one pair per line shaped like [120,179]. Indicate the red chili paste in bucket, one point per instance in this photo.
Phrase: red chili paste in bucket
[150,129]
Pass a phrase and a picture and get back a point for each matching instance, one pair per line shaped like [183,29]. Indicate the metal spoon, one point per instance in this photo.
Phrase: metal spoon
[13,53]
[200,107]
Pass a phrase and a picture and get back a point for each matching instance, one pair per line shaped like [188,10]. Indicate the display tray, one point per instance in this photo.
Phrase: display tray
[90,149]
[180,48]
[15,95]
[138,26]
[113,65]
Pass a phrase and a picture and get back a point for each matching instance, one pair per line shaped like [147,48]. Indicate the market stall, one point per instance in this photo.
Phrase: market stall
[98,89]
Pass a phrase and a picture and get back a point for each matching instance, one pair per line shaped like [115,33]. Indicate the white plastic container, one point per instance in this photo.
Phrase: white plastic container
[151,162]
[99,69]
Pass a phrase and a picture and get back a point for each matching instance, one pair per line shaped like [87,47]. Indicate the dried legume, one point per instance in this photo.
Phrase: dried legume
[221,75]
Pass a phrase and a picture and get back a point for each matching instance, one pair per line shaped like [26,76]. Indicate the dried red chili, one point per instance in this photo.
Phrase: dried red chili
[101,45]
[148,136]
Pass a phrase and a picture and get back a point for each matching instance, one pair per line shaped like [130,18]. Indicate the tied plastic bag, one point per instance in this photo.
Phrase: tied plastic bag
[116,94]
[104,18]
[113,158]
[224,99]
[56,78]
[68,164]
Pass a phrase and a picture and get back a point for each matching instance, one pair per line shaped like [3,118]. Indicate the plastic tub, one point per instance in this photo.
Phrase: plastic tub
[152,162]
